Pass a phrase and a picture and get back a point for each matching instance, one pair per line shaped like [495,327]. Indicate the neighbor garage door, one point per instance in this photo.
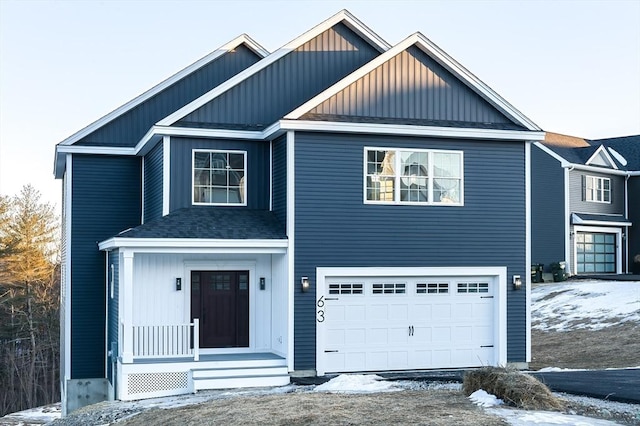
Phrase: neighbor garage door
[370,323]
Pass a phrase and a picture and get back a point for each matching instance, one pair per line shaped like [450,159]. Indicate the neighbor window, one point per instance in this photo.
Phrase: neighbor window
[219,177]
[413,176]
[597,189]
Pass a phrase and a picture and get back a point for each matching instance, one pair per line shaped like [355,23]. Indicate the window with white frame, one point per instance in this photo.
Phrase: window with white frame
[597,189]
[219,177]
[413,176]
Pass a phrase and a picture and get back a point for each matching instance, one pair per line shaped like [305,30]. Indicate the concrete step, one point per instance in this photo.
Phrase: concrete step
[230,382]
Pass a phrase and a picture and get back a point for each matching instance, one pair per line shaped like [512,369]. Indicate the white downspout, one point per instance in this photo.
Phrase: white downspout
[626,216]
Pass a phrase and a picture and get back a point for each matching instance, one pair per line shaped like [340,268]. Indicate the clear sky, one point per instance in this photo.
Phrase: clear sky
[572,67]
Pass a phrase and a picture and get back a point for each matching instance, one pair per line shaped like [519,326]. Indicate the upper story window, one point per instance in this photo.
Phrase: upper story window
[219,177]
[597,189]
[413,176]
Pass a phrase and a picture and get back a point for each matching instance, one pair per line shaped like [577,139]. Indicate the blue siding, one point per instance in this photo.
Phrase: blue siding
[334,228]
[411,86]
[153,163]
[106,200]
[280,178]
[129,128]
[295,78]
[113,309]
[547,209]
[257,169]
[634,217]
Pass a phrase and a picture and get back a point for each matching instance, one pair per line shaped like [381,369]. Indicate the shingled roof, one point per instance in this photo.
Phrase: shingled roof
[216,223]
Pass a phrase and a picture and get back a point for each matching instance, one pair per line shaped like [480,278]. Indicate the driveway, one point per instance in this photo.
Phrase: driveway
[615,385]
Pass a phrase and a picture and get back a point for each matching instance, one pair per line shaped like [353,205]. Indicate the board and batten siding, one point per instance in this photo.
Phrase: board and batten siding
[579,205]
[153,191]
[106,201]
[334,228]
[547,209]
[130,127]
[279,177]
[290,81]
[411,85]
[257,173]
[113,289]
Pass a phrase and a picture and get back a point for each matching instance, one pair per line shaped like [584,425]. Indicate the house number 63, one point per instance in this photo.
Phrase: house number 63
[320,311]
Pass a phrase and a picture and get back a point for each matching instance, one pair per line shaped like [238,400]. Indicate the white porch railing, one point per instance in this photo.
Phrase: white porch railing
[166,341]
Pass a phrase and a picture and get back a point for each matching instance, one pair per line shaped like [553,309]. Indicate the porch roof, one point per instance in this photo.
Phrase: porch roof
[209,223]
[599,219]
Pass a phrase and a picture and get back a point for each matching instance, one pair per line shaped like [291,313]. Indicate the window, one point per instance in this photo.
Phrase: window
[597,189]
[413,176]
[389,288]
[432,288]
[219,177]
[349,288]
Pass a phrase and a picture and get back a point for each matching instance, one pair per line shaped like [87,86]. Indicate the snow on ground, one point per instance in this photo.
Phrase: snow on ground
[484,399]
[591,305]
[546,418]
[356,383]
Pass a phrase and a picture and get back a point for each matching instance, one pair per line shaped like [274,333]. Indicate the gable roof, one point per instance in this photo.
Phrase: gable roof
[424,44]
[601,157]
[343,17]
[233,44]
[628,147]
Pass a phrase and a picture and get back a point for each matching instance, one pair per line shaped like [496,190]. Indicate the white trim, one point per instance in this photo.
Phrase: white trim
[398,176]
[143,185]
[291,192]
[577,220]
[221,151]
[567,219]
[527,195]
[271,175]
[107,288]
[66,355]
[603,230]
[104,150]
[500,296]
[552,153]
[595,190]
[199,132]
[410,130]
[342,16]
[166,174]
[601,149]
[126,287]
[189,243]
[255,47]
[596,169]
[428,47]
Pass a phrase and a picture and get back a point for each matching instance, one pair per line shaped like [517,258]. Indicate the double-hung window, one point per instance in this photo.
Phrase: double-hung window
[413,176]
[597,189]
[219,177]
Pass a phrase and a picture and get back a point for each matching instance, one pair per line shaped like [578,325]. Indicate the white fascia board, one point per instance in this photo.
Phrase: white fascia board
[604,152]
[596,169]
[259,50]
[204,133]
[410,130]
[171,244]
[563,162]
[61,151]
[342,16]
[437,54]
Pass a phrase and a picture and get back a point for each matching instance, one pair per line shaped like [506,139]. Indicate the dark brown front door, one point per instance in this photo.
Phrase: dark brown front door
[220,299]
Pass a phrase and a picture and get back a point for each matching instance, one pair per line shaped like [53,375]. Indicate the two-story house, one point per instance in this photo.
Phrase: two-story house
[582,203]
[338,205]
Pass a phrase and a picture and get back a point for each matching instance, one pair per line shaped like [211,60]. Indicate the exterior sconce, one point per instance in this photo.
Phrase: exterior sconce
[178,284]
[304,282]
[517,282]
[263,284]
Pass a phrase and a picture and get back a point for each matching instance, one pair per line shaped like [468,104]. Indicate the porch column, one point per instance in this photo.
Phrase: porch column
[127,307]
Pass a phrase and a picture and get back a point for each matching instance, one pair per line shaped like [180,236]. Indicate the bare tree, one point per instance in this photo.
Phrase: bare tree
[29,301]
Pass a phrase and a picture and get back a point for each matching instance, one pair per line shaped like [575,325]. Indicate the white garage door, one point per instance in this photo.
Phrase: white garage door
[405,323]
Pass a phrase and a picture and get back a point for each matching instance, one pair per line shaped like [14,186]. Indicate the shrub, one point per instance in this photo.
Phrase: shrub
[513,387]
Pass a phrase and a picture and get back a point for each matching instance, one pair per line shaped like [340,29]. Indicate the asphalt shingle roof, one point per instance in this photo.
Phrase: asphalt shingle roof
[628,147]
[217,223]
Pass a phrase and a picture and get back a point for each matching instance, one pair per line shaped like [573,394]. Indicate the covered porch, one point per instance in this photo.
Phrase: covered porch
[186,314]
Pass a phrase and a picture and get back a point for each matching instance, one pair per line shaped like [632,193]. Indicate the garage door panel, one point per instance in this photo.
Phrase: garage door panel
[408,323]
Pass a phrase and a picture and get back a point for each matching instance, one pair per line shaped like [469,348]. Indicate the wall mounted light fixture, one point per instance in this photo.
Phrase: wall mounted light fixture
[263,283]
[178,284]
[304,282]
[517,282]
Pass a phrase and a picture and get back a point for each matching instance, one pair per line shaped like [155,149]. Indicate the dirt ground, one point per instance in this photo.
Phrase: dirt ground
[433,407]
[613,347]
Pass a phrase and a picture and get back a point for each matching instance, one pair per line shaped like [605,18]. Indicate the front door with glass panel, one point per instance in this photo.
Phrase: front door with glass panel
[220,299]
[596,252]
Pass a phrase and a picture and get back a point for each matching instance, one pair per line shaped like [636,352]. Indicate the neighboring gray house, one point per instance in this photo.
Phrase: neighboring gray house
[338,205]
[584,196]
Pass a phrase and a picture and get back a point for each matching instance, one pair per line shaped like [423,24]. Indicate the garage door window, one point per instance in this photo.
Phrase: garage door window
[473,287]
[389,288]
[432,288]
[596,252]
[348,288]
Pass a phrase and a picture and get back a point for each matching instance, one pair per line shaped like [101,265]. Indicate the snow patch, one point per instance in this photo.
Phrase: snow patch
[546,418]
[618,156]
[484,399]
[356,383]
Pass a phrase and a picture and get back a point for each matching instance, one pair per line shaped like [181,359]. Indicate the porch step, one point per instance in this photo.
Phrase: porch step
[225,378]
